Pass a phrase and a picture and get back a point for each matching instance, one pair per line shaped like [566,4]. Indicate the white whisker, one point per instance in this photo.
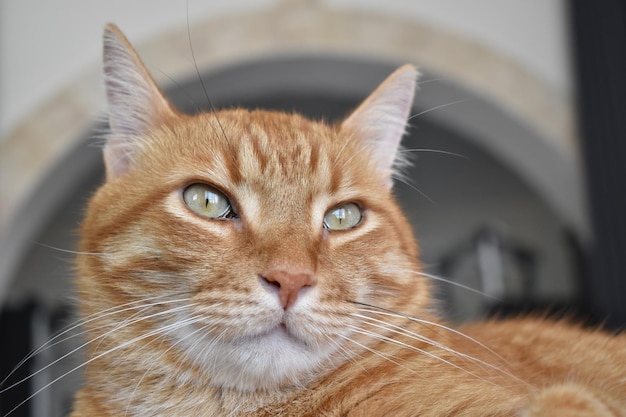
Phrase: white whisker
[430,80]
[387,312]
[415,349]
[406,182]
[416,336]
[3,390]
[454,283]
[120,346]
[96,316]
[439,107]
[348,353]
[73,252]
[160,355]
[433,151]
[375,352]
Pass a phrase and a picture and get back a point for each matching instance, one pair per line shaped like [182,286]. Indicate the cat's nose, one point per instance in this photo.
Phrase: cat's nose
[288,284]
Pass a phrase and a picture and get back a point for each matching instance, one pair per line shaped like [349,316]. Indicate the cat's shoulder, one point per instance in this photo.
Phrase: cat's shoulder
[525,327]
[556,349]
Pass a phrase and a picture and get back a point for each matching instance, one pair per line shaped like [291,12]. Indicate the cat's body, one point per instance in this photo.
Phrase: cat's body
[256,263]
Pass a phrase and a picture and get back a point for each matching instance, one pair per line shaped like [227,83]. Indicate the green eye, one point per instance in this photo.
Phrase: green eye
[343,217]
[207,201]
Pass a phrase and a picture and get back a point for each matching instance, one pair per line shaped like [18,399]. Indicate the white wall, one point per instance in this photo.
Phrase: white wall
[44,44]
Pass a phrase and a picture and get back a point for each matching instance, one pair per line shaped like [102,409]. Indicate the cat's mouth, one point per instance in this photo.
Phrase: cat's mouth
[282,333]
[283,329]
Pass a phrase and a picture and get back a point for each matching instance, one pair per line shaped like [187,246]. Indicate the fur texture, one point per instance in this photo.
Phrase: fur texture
[304,296]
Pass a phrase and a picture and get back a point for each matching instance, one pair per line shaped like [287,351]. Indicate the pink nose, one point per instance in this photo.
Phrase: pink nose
[288,284]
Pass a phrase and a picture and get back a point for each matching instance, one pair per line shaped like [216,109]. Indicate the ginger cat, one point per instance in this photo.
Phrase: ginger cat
[255,263]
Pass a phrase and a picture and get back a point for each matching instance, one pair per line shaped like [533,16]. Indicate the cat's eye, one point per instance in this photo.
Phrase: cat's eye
[343,217]
[207,201]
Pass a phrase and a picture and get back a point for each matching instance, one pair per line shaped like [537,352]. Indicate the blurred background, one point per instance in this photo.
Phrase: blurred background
[517,142]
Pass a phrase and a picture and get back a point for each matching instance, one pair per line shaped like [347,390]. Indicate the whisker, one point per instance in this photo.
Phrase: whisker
[73,252]
[3,390]
[439,107]
[206,94]
[425,150]
[408,184]
[456,284]
[385,311]
[416,349]
[347,161]
[123,345]
[347,353]
[341,150]
[416,336]
[160,355]
[377,353]
[179,87]
[207,346]
[195,63]
[430,80]
[133,318]
[96,316]
[48,344]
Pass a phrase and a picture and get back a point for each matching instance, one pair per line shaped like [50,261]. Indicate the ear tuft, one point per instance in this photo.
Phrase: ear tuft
[382,118]
[136,104]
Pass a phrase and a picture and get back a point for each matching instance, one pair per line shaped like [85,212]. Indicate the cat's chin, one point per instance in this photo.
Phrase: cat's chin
[268,361]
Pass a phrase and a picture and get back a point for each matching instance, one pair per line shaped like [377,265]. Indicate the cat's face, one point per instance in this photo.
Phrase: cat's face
[253,237]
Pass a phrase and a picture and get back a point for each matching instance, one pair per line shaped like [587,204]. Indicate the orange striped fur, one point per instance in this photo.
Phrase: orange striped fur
[273,309]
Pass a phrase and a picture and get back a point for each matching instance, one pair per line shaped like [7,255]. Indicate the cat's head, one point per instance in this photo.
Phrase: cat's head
[249,242]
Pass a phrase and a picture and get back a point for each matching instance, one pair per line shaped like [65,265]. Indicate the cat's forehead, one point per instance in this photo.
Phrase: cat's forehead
[270,165]
[262,147]
[273,133]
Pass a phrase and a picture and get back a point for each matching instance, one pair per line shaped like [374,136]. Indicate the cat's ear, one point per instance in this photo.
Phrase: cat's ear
[136,104]
[382,118]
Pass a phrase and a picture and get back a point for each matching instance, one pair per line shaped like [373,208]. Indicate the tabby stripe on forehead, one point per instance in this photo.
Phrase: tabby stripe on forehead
[314,157]
[232,163]
[257,149]
[336,177]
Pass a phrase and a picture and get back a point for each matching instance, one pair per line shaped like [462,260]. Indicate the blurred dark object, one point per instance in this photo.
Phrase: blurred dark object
[599,46]
[40,383]
[500,271]
[16,334]
[494,274]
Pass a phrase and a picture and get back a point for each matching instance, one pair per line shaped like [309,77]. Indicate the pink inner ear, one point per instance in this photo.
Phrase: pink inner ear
[382,118]
[136,105]
[117,157]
